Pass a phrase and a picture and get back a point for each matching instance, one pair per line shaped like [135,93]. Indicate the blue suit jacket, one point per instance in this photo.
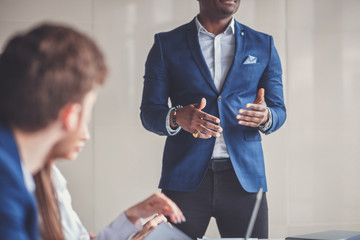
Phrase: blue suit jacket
[18,217]
[176,68]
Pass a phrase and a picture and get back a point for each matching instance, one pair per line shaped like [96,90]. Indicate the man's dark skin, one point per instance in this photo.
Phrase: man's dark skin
[215,16]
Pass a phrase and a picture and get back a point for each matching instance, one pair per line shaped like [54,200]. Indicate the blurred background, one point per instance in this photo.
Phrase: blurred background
[312,162]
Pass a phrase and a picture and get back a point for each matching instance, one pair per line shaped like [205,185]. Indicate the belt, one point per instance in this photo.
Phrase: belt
[220,164]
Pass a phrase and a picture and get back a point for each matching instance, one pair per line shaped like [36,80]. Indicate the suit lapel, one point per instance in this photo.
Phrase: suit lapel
[193,42]
[240,43]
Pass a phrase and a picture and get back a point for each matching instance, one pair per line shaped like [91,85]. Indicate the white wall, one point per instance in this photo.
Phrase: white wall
[312,162]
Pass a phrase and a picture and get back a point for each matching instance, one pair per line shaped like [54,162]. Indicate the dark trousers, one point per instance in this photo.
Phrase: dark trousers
[221,196]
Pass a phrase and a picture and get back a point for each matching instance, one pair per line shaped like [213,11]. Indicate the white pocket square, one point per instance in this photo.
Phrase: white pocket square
[250,60]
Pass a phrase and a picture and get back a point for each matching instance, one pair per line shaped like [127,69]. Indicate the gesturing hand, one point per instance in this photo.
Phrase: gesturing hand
[258,115]
[156,203]
[149,226]
[191,118]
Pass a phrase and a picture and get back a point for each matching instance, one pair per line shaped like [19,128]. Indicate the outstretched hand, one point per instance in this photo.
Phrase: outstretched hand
[156,203]
[191,118]
[258,113]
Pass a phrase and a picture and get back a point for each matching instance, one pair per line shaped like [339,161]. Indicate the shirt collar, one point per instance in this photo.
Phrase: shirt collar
[200,27]
[28,179]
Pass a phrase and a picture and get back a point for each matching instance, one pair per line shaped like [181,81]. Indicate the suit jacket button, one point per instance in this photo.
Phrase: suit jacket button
[219,98]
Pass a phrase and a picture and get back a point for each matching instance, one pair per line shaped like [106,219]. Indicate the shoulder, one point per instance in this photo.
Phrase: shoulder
[10,170]
[15,201]
[254,36]
[251,31]
[176,40]
[11,174]
[10,165]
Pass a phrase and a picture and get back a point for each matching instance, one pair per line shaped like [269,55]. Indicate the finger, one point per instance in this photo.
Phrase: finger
[155,221]
[207,130]
[174,213]
[141,234]
[201,105]
[203,135]
[249,124]
[250,119]
[158,219]
[252,113]
[176,217]
[211,126]
[203,130]
[208,117]
[166,206]
[259,107]
[260,98]
[92,236]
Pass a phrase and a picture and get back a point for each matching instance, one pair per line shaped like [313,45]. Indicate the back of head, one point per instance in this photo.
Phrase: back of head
[43,70]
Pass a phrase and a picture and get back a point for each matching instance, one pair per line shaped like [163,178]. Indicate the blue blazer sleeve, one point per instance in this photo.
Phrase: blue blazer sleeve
[271,81]
[154,105]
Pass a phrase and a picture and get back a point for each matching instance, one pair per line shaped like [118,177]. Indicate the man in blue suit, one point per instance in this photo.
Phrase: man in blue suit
[224,81]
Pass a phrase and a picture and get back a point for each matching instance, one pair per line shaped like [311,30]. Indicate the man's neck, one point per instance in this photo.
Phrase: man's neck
[34,147]
[214,25]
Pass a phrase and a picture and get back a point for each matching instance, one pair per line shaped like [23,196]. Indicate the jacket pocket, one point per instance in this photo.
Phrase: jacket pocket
[252,65]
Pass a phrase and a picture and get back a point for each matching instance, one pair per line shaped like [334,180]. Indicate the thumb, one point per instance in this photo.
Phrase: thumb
[201,105]
[260,98]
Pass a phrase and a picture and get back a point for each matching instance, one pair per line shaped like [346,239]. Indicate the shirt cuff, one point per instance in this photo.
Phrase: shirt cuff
[120,229]
[263,128]
[171,131]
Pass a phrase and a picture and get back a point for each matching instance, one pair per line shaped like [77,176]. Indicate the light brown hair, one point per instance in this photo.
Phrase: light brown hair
[43,70]
[46,198]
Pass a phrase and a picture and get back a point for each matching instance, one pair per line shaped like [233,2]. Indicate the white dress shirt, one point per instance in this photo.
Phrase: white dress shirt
[28,179]
[120,229]
[218,51]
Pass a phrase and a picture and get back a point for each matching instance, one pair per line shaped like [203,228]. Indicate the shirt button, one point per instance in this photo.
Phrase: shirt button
[219,98]
[242,33]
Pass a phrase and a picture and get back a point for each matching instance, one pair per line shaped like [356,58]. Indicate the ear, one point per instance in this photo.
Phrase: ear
[71,116]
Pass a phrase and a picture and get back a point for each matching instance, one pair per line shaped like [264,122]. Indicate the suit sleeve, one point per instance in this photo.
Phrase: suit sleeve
[271,81]
[154,105]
